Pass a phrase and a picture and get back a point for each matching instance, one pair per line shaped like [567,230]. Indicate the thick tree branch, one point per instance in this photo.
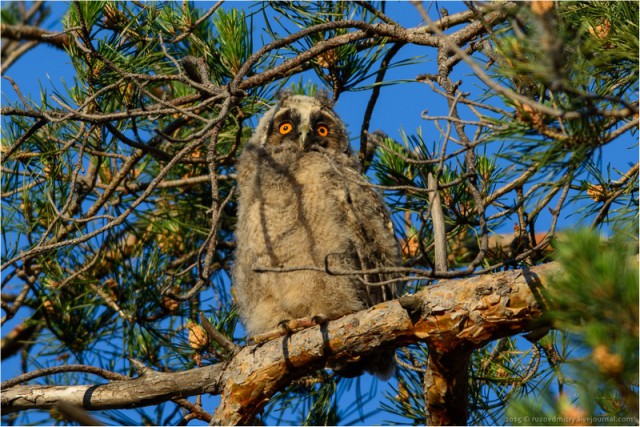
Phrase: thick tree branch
[446,387]
[452,314]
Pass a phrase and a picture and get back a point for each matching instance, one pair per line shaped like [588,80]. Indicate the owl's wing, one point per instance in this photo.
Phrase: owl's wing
[372,232]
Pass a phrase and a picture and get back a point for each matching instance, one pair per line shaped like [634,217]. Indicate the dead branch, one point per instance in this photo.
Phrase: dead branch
[27,32]
[150,388]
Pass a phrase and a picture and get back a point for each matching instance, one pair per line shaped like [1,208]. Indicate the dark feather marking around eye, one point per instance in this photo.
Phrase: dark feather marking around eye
[287,116]
[322,117]
[281,117]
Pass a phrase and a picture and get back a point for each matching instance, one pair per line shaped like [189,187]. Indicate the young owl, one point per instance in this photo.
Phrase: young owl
[303,203]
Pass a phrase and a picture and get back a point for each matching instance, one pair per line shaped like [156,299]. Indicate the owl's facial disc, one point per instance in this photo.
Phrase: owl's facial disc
[307,125]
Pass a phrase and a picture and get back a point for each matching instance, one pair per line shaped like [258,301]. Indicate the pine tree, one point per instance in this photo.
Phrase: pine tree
[118,210]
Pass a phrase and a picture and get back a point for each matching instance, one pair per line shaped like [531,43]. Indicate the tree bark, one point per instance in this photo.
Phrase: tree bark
[453,317]
[150,388]
[446,387]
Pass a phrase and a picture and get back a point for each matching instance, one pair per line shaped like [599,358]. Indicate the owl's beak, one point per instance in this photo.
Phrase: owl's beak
[304,137]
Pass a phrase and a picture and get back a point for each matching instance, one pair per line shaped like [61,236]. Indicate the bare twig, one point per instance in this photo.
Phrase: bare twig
[77,414]
[439,230]
[26,32]
[218,337]
[61,369]
[375,93]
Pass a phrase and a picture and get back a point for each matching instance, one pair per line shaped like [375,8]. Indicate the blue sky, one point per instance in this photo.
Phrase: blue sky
[399,109]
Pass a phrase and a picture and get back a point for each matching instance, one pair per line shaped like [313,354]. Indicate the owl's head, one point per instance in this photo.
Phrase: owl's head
[302,122]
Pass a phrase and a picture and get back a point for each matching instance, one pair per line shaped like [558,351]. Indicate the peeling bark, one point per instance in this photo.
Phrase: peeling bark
[453,317]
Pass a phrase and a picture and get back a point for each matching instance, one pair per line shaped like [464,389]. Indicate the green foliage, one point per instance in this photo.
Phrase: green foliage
[300,88]
[344,67]
[314,401]
[406,400]
[233,40]
[578,57]
[596,301]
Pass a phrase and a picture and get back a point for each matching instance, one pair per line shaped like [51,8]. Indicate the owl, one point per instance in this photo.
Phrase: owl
[304,211]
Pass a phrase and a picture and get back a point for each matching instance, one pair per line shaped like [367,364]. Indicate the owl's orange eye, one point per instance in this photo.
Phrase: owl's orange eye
[322,130]
[285,128]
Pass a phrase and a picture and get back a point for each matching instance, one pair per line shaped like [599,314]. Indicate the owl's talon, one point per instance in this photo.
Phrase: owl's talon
[289,326]
[284,325]
[320,319]
[267,336]
[295,325]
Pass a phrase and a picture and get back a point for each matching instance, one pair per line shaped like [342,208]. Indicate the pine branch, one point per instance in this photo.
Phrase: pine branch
[453,314]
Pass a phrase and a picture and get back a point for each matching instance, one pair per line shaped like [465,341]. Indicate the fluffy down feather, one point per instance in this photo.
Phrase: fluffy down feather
[303,203]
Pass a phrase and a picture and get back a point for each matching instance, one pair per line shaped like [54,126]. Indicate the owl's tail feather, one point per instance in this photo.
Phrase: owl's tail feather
[380,364]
